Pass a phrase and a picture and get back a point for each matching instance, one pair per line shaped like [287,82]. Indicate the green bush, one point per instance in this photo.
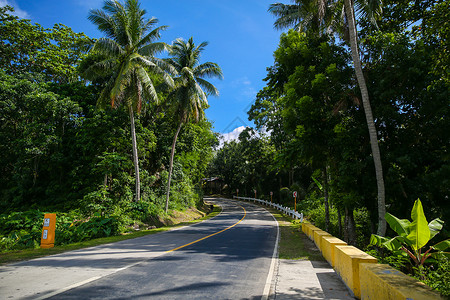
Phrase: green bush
[96,227]
[385,256]
[317,216]
[20,230]
[363,228]
[436,275]
[30,220]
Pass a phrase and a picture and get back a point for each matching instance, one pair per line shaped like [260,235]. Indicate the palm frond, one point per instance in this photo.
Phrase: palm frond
[112,6]
[287,15]
[152,65]
[174,63]
[165,66]
[104,99]
[188,74]
[103,21]
[147,84]
[150,37]
[209,87]
[135,20]
[202,98]
[149,24]
[107,47]
[153,49]
[208,69]
[100,69]
[121,82]
[369,9]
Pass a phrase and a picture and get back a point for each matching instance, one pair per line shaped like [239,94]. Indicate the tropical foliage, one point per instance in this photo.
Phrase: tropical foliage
[66,102]
[189,97]
[126,58]
[414,236]
[312,112]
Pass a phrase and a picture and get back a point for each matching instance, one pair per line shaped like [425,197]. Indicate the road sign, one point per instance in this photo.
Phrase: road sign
[271,193]
[295,194]
[237,190]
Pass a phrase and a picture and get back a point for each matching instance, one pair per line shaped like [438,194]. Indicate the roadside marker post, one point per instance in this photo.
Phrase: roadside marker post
[48,231]
[255,192]
[295,201]
[271,194]
[237,193]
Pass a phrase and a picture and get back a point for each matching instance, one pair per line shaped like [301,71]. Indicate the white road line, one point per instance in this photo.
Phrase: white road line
[69,288]
[268,285]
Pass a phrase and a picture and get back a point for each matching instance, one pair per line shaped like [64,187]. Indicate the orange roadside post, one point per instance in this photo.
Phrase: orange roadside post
[48,231]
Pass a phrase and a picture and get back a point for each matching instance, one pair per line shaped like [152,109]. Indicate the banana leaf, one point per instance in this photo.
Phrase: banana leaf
[401,226]
[419,233]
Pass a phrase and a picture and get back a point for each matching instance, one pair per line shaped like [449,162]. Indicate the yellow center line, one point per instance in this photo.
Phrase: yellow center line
[204,238]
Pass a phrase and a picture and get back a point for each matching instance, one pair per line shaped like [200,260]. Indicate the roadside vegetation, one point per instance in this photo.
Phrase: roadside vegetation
[314,134]
[183,219]
[86,127]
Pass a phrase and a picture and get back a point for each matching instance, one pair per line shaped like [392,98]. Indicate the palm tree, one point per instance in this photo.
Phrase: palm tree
[126,59]
[320,15]
[191,89]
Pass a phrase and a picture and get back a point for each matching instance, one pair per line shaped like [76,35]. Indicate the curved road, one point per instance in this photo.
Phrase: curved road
[227,257]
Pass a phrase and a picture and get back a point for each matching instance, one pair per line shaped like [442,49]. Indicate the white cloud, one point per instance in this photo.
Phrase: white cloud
[17,11]
[234,135]
[231,136]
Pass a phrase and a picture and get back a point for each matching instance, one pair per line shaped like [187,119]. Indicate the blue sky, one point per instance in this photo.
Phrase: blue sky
[240,35]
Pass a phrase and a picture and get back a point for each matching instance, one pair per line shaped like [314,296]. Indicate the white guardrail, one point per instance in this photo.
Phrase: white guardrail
[286,210]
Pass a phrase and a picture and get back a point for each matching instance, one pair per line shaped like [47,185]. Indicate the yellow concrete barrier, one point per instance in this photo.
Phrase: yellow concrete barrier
[384,282]
[347,260]
[361,273]
[311,229]
[306,227]
[328,245]
[318,234]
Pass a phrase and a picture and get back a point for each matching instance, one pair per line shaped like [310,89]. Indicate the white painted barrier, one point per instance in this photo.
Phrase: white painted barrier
[286,210]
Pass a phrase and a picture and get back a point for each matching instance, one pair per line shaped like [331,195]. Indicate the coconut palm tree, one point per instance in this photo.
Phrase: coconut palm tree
[126,59]
[189,97]
[320,14]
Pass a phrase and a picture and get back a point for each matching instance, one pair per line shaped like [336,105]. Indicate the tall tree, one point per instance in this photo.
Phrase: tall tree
[29,48]
[191,89]
[127,60]
[304,10]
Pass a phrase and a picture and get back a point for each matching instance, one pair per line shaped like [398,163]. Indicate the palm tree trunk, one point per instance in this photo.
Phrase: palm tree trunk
[369,117]
[135,156]
[325,197]
[350,227]
[171,165]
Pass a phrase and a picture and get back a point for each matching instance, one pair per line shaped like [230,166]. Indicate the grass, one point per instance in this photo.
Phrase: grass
[294,244]
[26,254]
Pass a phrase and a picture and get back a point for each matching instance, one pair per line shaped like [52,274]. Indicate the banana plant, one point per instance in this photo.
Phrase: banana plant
[413,236]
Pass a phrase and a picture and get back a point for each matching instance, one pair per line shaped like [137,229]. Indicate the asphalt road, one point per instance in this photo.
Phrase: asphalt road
[227,257]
